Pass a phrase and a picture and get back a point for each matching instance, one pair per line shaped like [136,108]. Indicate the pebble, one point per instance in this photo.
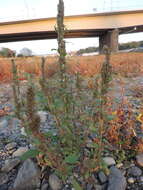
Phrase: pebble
[28,177]
[4,187]
[116,180]
[3,124]
[141,178]
[98,187]
[22,130]
[20,151]
[11,151]
[135,171]
[119,165]
[9,165]
[102,177]
[54,182]
[16,123]
[11,146]
[141,184]
[89,187]
[94,179]
[3,178]
[109,161]
[139,159]
[43,116]
[131,180]
[44,186]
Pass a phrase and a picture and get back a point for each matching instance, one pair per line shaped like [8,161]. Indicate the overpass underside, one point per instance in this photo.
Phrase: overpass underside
[49,35]
[107,37]
[106,26]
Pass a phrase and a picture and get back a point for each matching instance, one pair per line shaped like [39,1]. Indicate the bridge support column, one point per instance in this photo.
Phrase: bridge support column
[110,38]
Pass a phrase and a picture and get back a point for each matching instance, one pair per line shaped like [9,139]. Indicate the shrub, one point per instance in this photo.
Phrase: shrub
[6,52]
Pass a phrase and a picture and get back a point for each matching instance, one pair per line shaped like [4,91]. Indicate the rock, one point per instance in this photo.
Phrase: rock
[43,116]
[11,146]
[16,123]
[89,187]
[22,130]
[94,179]
[131,180]
[109,161]
[98,187]
[20,151]
[124,171]
[28,177]
[44,186]
[9,165]
[119,165]
[135,171]
[54,182]
[4,187]
[3,178]
[11,151]
[3,124]
[139,159]
[102,177]
[116,179]
[141,179]
[141,185]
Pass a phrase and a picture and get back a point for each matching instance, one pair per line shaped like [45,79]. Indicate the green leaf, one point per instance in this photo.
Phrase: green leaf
[28,132]
[76,185]
[72,158]
[29,154]
[48,134]
[111,117]
[86,175]
[53,49]
[36,141]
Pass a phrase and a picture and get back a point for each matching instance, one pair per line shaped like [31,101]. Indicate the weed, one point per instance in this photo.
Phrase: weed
[81,109]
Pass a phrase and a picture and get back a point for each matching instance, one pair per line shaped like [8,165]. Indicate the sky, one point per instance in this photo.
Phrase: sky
[29,9]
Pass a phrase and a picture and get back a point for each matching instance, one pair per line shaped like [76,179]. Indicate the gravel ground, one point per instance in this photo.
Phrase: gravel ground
[10,132]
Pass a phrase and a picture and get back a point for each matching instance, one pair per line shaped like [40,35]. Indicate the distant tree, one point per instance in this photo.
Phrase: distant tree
[130,45]
[25,52]
[122,46]
[20,55]
[6,52]
[87,50]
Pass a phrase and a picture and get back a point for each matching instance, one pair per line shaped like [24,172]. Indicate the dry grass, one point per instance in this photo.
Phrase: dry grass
[124,63]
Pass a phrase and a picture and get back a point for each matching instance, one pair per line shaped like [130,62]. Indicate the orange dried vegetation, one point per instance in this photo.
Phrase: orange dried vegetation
[121,130]
[124,63]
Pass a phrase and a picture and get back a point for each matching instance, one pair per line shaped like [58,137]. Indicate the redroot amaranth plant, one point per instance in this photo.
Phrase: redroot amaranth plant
[61,42]
[102,96]
[16,90]
[106,72]
[75,143]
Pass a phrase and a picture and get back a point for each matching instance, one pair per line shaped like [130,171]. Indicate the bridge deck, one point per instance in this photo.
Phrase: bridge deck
[90,25]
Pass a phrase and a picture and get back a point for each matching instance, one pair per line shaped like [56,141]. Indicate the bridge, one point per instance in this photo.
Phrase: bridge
[107,26]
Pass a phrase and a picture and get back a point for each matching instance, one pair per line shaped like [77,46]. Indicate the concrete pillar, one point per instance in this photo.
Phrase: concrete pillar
[110,38]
